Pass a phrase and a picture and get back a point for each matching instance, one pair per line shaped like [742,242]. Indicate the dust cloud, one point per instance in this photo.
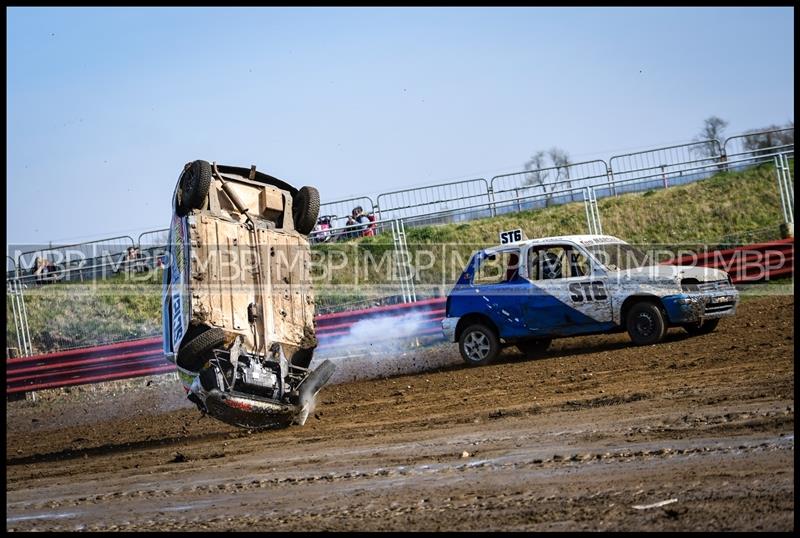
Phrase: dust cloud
[384,346]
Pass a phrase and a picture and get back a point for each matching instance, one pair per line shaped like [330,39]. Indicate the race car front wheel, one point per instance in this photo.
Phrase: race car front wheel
[478,345]
[645,323]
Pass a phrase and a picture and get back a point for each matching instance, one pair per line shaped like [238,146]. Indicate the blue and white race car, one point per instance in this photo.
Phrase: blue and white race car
[527,292]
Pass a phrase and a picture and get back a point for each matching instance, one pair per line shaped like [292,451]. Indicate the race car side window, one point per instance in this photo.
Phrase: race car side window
[499,267]
[579,263]
[554,262]
[548,263]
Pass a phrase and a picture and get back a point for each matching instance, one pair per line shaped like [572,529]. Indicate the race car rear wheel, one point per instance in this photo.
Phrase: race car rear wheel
[704,327]
[305,209]
[478,345]
[531,348]
[199,350]
[193,187]
[645,323]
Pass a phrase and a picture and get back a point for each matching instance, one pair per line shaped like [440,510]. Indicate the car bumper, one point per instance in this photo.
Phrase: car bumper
[449,328]
[695,307]
[247,412]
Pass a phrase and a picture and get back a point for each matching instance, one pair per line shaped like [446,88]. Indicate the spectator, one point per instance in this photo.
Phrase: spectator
[359,217]
[39,268]
[133,261]
[350,222]
[44,270]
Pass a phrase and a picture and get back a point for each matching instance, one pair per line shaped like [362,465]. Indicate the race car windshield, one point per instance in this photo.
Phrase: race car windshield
[618,256]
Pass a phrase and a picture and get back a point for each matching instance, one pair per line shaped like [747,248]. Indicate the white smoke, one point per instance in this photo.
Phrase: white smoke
[380,334]
[380,347]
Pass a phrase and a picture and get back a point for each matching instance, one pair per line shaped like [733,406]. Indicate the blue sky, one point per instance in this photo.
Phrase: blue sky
[105,106]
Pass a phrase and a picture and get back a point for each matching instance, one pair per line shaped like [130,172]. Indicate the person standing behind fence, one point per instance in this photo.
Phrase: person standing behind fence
[133,262]
[44,270]
[359,217]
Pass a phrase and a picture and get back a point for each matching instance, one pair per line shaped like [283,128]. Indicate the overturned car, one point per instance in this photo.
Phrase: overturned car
[238,306]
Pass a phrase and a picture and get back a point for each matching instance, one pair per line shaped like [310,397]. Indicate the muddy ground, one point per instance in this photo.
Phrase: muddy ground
[588,437]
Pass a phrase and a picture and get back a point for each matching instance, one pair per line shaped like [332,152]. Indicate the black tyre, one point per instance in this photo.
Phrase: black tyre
[302,357]
[194,353]
[305,209]
[645,323]
[704,327]
[532,348]
[478,345]
[193,187]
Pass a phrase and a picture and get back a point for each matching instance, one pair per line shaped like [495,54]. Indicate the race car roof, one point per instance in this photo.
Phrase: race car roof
[583,240]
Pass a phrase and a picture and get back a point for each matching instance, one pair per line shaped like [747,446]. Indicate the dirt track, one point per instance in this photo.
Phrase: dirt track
[572,441]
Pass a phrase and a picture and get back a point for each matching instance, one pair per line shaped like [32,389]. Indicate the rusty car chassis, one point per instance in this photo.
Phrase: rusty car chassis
[238,306]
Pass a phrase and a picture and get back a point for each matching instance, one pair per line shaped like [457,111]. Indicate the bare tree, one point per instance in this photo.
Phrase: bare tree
[537,176]
[539,170]
[713,128]
[758,140]
[560,160]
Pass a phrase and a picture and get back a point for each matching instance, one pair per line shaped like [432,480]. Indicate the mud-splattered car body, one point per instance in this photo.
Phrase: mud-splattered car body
[581,284]
[238,306]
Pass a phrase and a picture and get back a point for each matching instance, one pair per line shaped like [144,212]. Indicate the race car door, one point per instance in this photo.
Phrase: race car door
[498,291]
[567,297]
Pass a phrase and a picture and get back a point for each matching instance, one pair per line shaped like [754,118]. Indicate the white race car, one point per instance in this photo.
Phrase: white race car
[527,292]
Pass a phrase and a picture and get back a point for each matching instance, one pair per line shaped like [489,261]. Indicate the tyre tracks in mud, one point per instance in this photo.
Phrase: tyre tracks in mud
[569,441]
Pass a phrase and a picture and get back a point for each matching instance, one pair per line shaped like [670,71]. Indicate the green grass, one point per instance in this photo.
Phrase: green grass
[716,209]
[729,208]
[68,315]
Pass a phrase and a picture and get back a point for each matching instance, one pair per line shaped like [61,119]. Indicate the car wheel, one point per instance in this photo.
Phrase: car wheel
[703,327]
[531,348]
[646,324]
[305,209]
[302,357]
[478,345]
[193,187]
[196,352]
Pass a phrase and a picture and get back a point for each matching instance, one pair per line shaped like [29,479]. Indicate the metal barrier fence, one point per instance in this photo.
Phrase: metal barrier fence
[79,261]
[155,238]
[339,210]
[663,219]
[545,181]
[785,186]
[475,198]
[688,172]
[757,142]
[21,332]
[678,164]
[406,203]
[152,250]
